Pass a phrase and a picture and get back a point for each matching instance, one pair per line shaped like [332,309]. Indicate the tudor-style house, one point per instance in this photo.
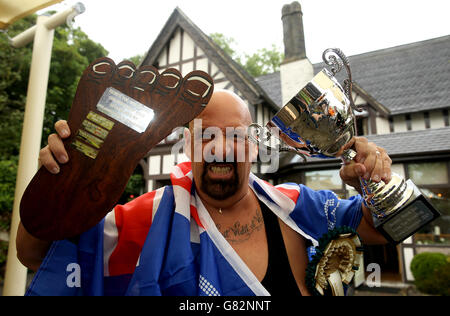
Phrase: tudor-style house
[406,100]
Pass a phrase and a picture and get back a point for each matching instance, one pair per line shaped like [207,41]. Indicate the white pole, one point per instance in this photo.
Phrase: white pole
[16,273]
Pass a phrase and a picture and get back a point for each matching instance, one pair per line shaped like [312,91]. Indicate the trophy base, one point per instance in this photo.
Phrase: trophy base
[408,219]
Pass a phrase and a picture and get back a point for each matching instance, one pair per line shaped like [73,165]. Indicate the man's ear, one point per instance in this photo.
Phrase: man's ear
[187,143]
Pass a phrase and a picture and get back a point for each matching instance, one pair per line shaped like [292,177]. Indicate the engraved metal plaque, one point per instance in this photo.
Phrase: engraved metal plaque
[126,110]
[408,219]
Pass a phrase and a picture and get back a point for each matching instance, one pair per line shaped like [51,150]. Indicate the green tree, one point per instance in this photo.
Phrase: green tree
[137,59]
[264,61]
[226,44]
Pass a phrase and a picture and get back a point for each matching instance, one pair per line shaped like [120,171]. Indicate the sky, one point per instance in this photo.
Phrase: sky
[128,28]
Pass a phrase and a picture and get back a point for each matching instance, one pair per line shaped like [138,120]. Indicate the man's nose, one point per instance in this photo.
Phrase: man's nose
[221,148]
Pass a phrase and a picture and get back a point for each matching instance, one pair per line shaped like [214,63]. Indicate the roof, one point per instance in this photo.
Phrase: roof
[271,83]
[397,145]
[429,141]
[404,79]
[245,83]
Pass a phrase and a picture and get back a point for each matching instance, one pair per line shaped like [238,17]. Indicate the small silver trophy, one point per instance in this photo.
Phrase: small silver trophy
[317,122]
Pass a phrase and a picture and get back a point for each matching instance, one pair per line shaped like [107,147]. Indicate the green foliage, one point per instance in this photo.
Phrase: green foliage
[264,61]
[431,272]
[134,187]
[8,171]
[226,44]
[137,59]
[3,255]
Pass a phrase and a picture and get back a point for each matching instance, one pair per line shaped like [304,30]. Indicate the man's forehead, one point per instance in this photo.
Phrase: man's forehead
[226,109]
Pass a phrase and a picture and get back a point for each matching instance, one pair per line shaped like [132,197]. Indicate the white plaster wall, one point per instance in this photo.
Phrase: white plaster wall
[382,125]
[188,46]
[222,85]
[260,117]
[202,64]
[168,163]
[417,121]
[436,119]
[294,76]
[154,164]
[266,117]
[174,52]
[162,59]
[399,123]
[357,99]
[214,69]
[187,68]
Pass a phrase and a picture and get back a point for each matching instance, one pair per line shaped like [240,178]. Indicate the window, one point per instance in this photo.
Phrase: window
[433,180]
[327,179]
[323,179]
[428,173]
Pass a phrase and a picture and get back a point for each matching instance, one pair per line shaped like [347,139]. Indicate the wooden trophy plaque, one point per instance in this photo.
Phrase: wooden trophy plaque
[118,114]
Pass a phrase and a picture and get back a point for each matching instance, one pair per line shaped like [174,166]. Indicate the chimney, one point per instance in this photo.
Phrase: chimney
[296,70]
[293,35]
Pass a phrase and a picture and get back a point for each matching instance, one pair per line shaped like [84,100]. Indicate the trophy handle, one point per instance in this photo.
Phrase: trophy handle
[259,135]
[335,58]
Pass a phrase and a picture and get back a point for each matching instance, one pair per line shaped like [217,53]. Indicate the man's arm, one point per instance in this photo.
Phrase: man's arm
[30,250]
[367,231]
[370,163]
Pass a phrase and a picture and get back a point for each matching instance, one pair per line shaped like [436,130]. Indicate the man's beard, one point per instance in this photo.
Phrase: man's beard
[220,189]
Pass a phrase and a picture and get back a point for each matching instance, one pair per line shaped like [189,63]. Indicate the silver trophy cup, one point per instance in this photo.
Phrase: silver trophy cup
[317,122]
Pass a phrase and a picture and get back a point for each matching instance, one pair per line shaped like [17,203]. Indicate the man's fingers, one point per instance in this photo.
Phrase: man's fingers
[353,170]
[62,128]
[378,167]
[46,159]
[386,174]
[56,147]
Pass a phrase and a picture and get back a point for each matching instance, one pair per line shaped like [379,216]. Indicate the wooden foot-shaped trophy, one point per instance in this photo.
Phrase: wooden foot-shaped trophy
[118,114]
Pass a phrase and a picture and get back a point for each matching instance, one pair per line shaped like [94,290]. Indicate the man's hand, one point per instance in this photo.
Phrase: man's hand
[370,163]
[54,152]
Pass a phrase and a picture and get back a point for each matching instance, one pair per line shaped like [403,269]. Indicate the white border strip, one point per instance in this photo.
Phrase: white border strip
[110,239]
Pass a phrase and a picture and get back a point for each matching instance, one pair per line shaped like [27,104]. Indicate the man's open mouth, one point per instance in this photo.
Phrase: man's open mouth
[220,171]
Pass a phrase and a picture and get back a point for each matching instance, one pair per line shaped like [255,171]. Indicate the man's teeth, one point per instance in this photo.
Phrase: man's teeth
[220,170]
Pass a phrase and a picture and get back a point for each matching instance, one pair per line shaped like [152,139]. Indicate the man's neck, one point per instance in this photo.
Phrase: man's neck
[230,207]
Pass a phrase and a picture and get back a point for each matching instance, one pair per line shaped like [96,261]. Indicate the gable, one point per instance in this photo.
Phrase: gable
[182,45]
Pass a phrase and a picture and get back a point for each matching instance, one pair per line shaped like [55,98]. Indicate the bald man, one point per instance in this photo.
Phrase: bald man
[264,240]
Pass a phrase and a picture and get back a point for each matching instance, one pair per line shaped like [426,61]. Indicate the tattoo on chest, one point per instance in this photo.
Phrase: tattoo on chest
[239,233]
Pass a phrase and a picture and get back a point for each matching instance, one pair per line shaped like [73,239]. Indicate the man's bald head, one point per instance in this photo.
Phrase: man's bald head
[225,107]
